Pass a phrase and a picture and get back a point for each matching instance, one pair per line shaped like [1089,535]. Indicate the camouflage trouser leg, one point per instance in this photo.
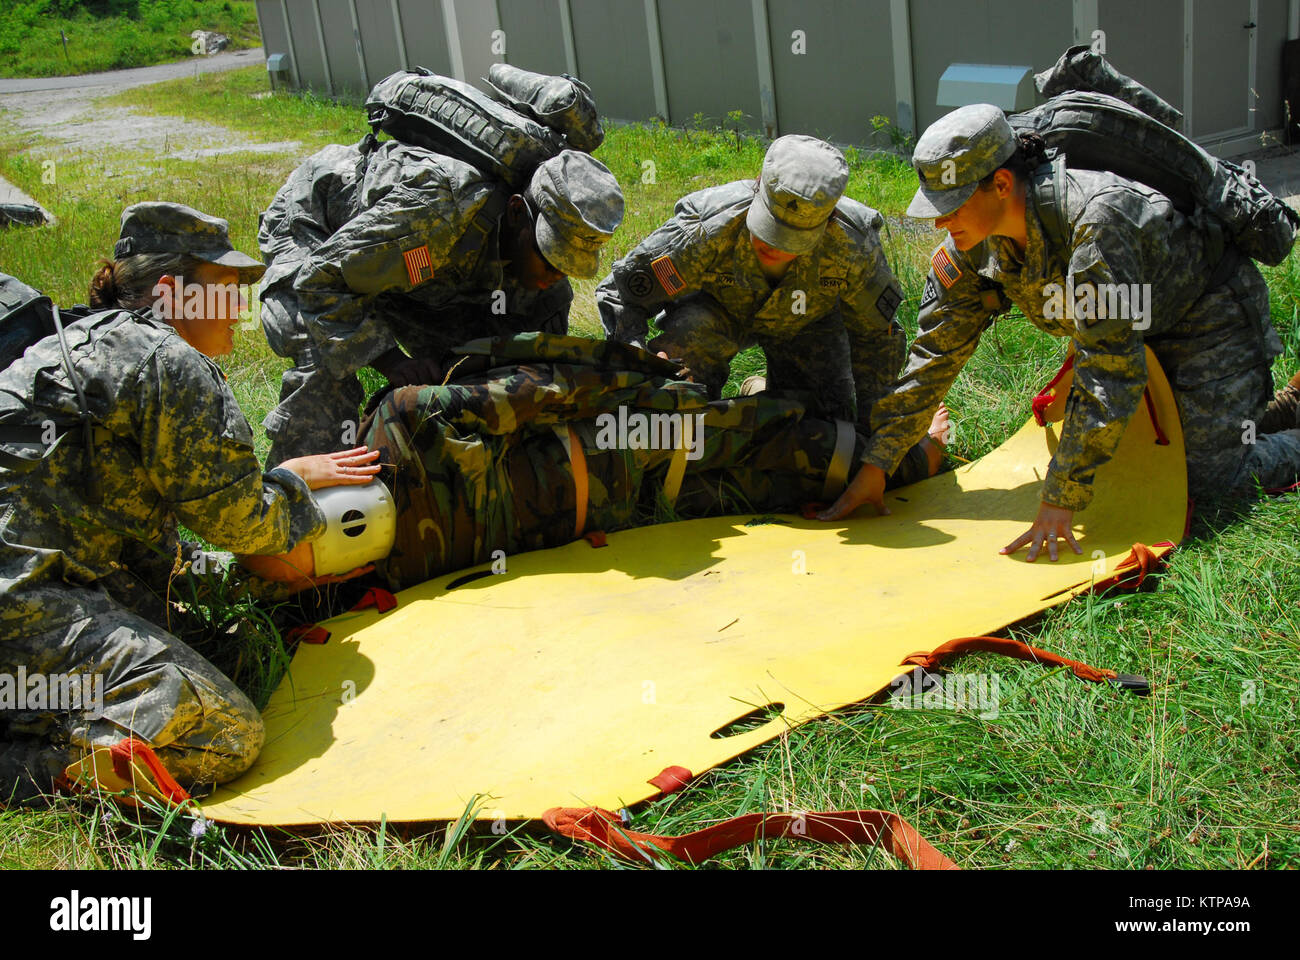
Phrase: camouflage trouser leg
[705,336]
[1224,455]
[759,453]
[313,412]
[1223,383]
[815,365]
[154,688]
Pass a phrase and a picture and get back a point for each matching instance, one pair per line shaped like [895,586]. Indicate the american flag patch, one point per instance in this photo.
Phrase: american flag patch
[944,268]
[418,265]
[669,278]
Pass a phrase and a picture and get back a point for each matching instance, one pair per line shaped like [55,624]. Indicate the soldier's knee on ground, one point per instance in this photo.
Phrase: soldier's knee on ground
[222,744]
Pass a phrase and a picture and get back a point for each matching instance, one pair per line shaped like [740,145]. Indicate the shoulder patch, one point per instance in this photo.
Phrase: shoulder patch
[947,271]
[930,294]
[669,278]
[887,303]
[419,267]
[640,283]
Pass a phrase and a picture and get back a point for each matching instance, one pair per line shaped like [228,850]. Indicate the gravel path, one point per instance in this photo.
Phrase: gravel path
[63,109]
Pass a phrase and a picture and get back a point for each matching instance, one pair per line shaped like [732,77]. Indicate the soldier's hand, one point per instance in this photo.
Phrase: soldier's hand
[1053,523]
[346,467]
[867,487]
[414,371]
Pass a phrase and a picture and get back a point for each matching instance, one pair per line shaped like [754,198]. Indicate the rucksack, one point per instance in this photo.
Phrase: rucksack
[528,119]
[1094,131]
[27,317]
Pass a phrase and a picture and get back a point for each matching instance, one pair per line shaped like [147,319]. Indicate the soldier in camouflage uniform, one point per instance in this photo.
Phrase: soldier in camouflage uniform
[1207,319]
[378,244]
[786,262]
[488,462]
[89,555]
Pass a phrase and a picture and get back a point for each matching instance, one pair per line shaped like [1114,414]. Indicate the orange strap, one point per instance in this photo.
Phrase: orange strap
[578,462]
[874,827]
[1008,648]
[124,751]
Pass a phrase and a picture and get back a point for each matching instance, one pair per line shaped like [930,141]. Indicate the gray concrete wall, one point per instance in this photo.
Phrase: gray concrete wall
[476,21]
[306,44]
[534,39]
[378,38]
[341,48]
[846,76]
[710,63]
[1005,32]
[1270,37]
[425,35]
[1145,40]
[613,50]
[687,58]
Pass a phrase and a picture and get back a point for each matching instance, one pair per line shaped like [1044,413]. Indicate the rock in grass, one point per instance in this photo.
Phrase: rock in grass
[21,215]
[208,42]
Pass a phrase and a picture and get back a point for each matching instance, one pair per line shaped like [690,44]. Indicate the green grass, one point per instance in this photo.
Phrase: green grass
[1203,773]
[113,34]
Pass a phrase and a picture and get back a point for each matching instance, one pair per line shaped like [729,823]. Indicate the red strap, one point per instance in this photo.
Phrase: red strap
[1161,439]
[875,827]
[1008,648]
[1045,396]
[124,751]
[596,538]
[671,779]
[381,600]
[307,633]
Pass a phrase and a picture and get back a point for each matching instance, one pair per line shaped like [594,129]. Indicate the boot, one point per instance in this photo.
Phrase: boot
[1283,412]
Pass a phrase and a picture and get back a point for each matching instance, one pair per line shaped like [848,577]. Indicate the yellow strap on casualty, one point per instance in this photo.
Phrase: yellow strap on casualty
[677,468]
[837,474]
[578,462]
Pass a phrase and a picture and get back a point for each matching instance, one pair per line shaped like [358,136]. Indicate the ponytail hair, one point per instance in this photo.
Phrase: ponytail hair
[128,284]
[1031,153]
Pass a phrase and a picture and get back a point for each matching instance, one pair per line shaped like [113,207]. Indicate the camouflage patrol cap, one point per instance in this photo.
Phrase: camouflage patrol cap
[157,227]
[579,206]
[802,180]
[955,154]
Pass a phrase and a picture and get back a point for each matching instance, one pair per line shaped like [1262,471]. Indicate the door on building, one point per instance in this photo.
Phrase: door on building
[1222,71]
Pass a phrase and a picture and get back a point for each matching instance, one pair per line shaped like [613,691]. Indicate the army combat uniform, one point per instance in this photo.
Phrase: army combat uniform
[371,245]
[91,568]
[85,579]
[486,463]
[1209,327]
[827,327]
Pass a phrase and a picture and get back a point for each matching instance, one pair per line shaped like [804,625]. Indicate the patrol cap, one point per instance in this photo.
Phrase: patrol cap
[955,153]
[157,227]
[802,180]
[579,206]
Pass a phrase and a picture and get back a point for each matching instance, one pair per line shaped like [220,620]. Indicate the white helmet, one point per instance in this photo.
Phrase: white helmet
[360,526]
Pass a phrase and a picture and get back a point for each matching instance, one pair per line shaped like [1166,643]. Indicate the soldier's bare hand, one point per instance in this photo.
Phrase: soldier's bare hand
[346,467]
[867,487]
[1054,523]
